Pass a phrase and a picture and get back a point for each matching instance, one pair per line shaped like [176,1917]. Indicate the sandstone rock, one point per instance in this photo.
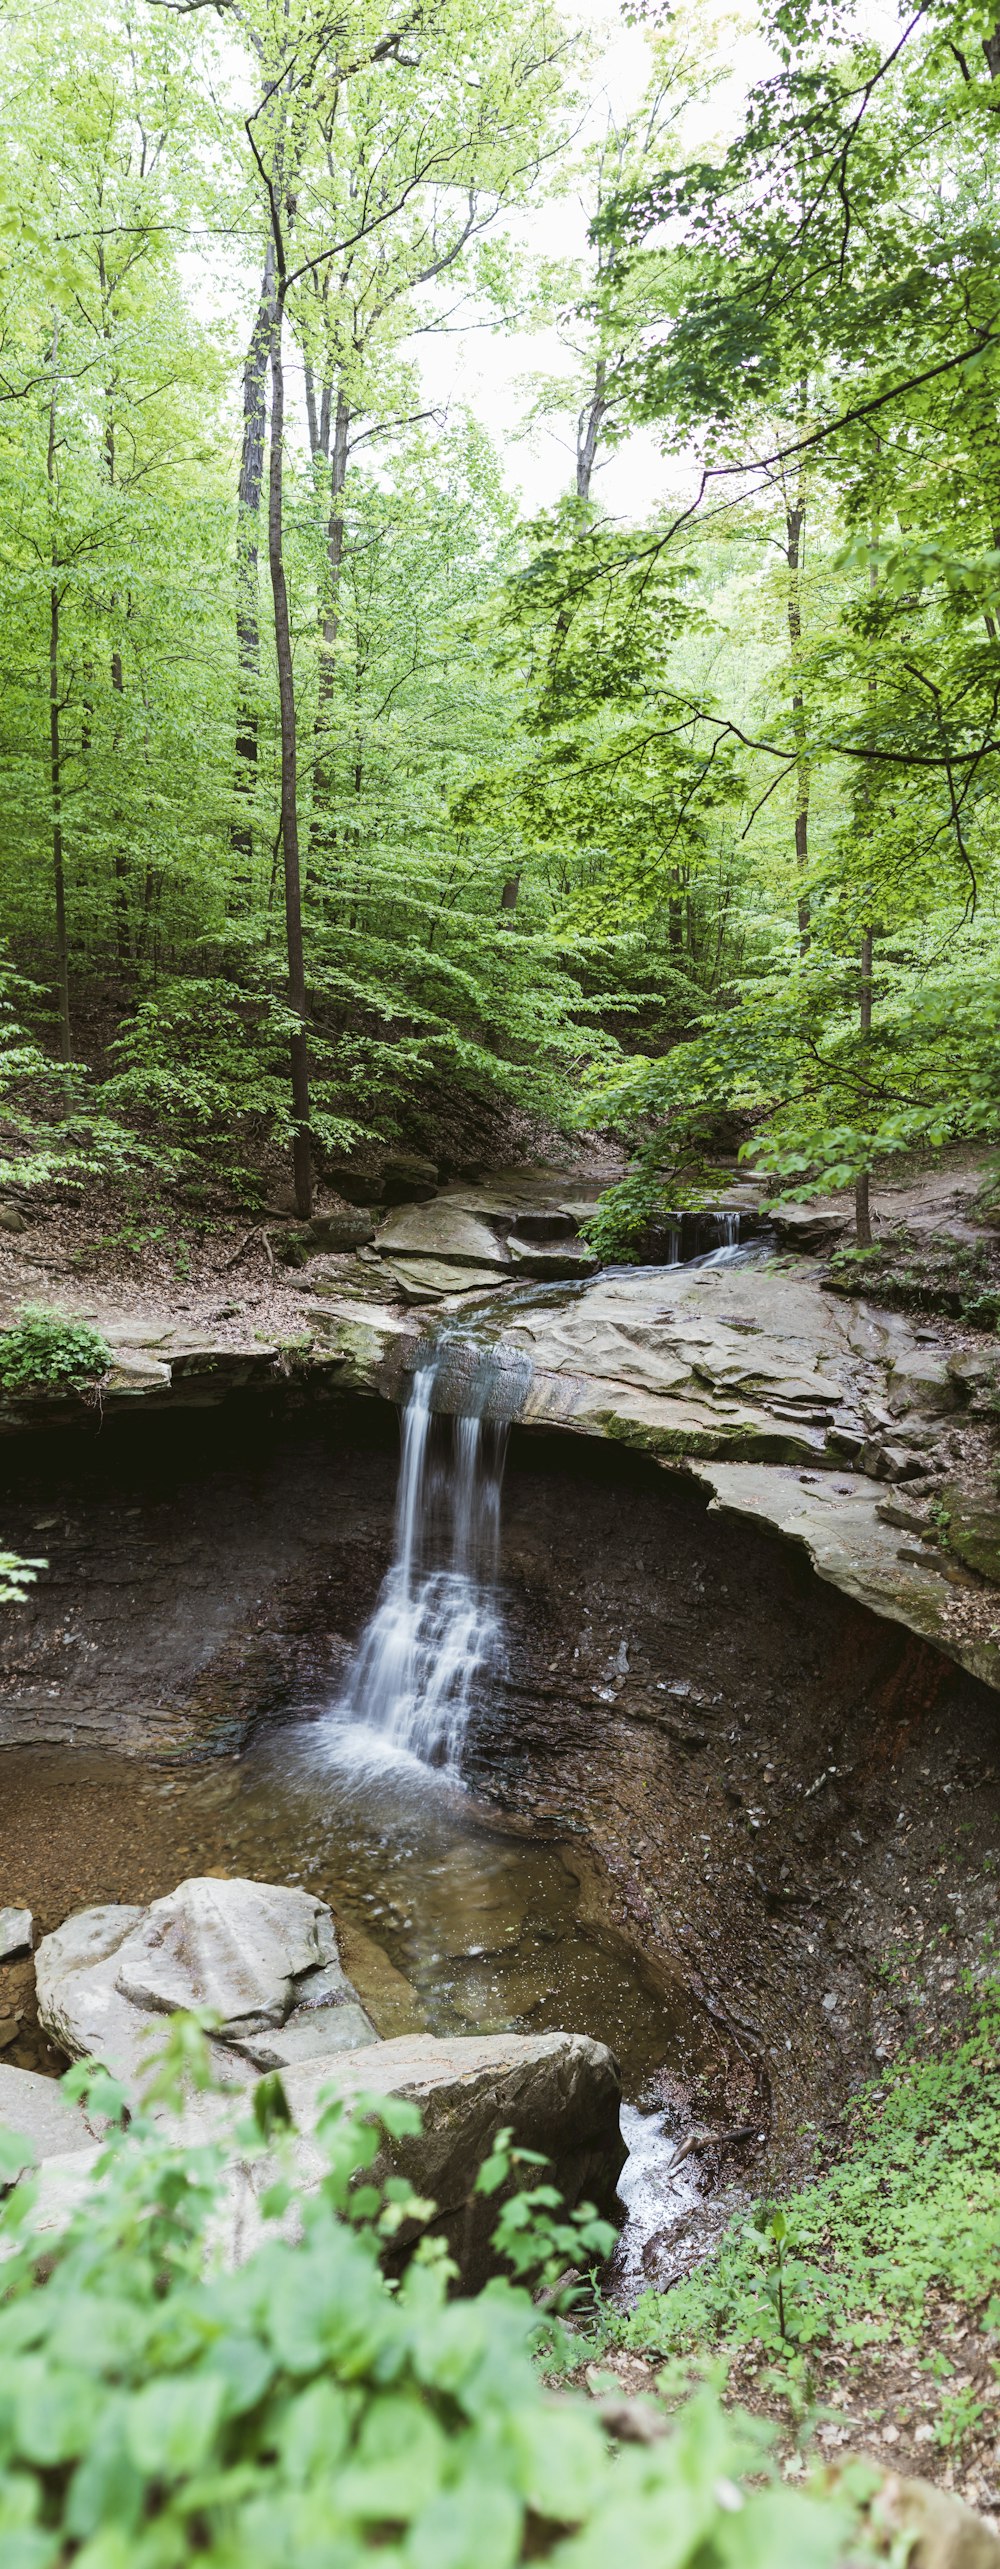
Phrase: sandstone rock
[911,1515]
[309,2035]
[36,2110]
[545,1227]
[409,1178]
[974,1535]
[892,1462]
[837,1522]
[973,1371]
[17,1932]
[357,1186]
[922,1380]
[552,1259]
[427,1280]
[237,1947]
[340,1231]
[560,2092]
[809,1227]
[262,1957]
[75,1970]
[443,1230]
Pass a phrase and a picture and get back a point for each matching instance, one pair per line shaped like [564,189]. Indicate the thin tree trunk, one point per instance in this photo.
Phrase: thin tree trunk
[55,743]
[588,430]
[794,521]
[247,591]
[330,627]
[298,1051]
[121,871]
[58,867]
[862,1210]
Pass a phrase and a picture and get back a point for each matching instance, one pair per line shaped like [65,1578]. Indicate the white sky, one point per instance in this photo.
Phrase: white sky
[491,371]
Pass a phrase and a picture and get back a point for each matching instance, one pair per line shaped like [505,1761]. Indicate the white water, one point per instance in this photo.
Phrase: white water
[435,1632]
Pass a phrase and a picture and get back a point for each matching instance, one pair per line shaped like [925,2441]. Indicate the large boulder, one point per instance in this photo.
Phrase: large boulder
[427,1280]
[262,1957]
[443,1230]
[560,2094]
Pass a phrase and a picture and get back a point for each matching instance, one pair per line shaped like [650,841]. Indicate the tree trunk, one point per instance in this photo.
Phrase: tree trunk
[55,771]
[55,743]
[588,430]
[862,1212]
[121,870]
[338,458]
[298,1053]
[247,593]
[794,521]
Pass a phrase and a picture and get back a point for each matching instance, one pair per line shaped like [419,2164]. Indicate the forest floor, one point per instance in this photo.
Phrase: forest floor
[192,1254]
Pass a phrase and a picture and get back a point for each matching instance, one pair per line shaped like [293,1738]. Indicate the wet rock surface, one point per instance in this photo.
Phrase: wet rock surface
[191,1566]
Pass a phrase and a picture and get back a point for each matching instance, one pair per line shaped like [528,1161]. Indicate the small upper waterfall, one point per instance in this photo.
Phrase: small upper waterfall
[436,1629]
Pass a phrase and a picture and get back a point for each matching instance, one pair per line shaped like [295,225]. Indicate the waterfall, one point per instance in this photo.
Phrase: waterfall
[435,1631]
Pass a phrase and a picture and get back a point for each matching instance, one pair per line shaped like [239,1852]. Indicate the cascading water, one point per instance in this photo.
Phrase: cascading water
[436,1631]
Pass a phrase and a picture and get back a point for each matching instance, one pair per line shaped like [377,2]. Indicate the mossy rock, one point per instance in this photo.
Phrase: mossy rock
[973,1534]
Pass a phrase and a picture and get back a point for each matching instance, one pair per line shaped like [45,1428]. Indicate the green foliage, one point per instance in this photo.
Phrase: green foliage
[912,2208]
[46,1352]
[157,2407]
[535,2236]
[672,1175]
[17,1574]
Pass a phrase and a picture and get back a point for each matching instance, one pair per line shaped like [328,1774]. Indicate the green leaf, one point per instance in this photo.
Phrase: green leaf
[171,2424]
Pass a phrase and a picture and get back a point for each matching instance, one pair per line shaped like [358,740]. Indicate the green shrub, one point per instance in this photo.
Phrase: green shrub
[913,2207]
[45,1352]
[306,2412]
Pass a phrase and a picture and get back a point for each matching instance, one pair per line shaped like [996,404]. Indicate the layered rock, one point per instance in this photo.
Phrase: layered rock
[791,1406]
[742,1375]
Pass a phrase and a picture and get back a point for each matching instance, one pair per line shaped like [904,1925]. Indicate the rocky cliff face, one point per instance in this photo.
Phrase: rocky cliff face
[832,1423]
